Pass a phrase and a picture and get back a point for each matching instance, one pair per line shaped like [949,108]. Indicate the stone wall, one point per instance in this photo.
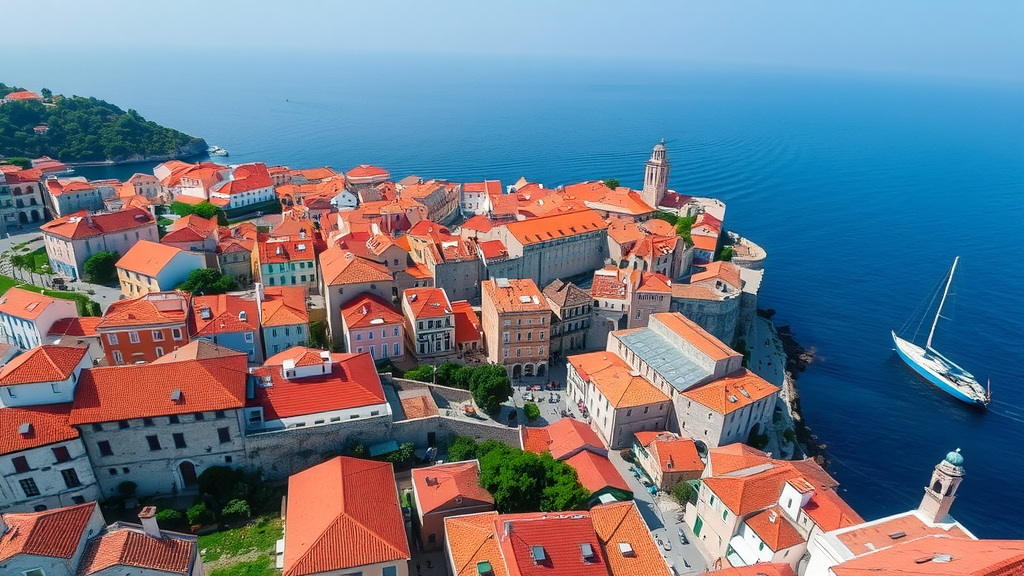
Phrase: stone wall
[718,317]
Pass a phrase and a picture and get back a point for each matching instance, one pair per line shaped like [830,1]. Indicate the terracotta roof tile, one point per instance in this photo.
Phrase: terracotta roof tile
[725,271]
[472,539]
[776,569]
[49,425]
[940,555]
[621,522]
[342,514]
[774,529]
[369,310]
[438,487]
[555,227]
[223,314]
[467,325]
[130,547]
[596,472]
[560,536]
[80,225]
[732,392]
[514,295]
[24,304]
[148,258]
[245,178]
[616,380]
[46,363]
[340,267]
[351,383]
[421,406]
[563,438]
[281,250]
[427,302]
[493,249]
[675,454]
[862,539]
[52,533]
[367,171]
[155,308]
[736,456]
[695,334]
[284,306]
[147,390]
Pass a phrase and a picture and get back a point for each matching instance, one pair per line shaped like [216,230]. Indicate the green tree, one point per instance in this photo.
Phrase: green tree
[726,254]
[422,373]
[526,482]
[667,217]
[207,281]
[461,448]
[46,93]
[531,411]
[403,455]
[683,493]
[563,490]
[206,210]
[101,267]
[611,183]
[454,374]
[683,226]
[24,163]
[182,209]
[490,386]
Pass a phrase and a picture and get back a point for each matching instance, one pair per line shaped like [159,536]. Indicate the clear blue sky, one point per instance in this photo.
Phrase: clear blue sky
[964,38]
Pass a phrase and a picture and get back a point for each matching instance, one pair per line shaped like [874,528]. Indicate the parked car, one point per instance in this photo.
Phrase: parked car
[667,545]
[682,537]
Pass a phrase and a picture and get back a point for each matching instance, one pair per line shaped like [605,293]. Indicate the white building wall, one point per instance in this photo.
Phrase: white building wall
[177,270]
[47,475]
[38,393]
[31,333]
[280,338]
[316,419]
[18,564]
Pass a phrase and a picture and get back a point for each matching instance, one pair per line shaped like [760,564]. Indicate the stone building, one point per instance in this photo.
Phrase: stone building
[234,252]
[515,319]
[144,329]
[153,267]
[345,276]
[626,298]
[47,542]
[722,299]
[656,175]
[371,324]
[452,260]
[21,197]
[443,490]
[191,418]
[667,458]
[728,409]
[68,195]
[440,198]
[571,307]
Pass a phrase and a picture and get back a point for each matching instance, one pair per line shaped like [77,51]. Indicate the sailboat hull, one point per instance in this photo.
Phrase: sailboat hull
[917,359]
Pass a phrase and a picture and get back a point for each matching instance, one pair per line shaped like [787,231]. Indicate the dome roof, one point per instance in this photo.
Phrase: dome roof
[955,458]
[660,145]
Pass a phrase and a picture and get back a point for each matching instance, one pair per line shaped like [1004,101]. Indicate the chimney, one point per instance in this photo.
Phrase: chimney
[148,518]
[260,295]
[88,220]
[508,529]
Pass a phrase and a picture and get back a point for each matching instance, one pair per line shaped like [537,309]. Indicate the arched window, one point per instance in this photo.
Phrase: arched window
[937,487]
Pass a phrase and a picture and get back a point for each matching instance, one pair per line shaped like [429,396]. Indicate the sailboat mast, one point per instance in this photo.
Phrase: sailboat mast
[938,312]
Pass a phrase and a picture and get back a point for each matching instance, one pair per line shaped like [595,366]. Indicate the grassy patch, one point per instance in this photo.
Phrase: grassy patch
[258,567]
[259,535]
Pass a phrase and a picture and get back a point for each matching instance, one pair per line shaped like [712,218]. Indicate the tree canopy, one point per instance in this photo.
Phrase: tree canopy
[490,386]
[101,267]
[207,281]
[203,209]
[83,130]
[526,482]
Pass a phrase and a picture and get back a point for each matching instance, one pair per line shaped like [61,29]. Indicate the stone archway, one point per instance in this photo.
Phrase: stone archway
[528,370]
[542,370]
[35,216]
[517,371]
[187,475]
[22,217]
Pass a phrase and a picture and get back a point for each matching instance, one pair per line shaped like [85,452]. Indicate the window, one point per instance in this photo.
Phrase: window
[112,339]
[104,448]
[117,358]
[176,333]
[78,499]
[70,478]
[112,471]
[179,440]
[224,434]
[712,501]
[133,337]
[725,514]
[158,335]
[61,454]
[154,442]
[28,485]
[219,415]
[159,351]
[393,571]
[20,464]
[173,419]
[248,337]
[55,387]
[97,427]
[147,422]
[396,332]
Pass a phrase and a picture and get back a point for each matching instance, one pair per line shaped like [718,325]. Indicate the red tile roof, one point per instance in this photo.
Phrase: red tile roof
[422,406]
[342,514]
[555,227]
[467,325]
[774,529]
[367,171]
[49,425]
[23,304]
[776,569]
[563,438]
[621,522]
[284,306]
[472,539]
[491,187]
[427,302]
[493,249]
[560,536]
[694,334]
[280,251]
[479,223]
[596,472]
[937,555]
[829,511]
[51,533]
[368,310]
[876,535]
[725,271]
[351,383]
[761,487]
[726,395]
[222,314]
[674,454]
[191,228]
[133,548]
[246,178]
[23,95]
[77,225]
[616,380]
[155,308]
[736,456]
[146,390]
[46,363]
[514,295]
[340,266]
[439,487]
[148,258]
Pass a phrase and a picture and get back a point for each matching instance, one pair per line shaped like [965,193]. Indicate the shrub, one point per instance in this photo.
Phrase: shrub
[422,373]
[531,411]
[461,448]
[789,435]
[100,268]
[220,482]
[684,493]
[236,509]
[127,489]
[170,518]
[403,454]
[199,514]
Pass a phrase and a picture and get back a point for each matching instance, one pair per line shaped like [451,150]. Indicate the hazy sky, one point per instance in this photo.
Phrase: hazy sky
[932,37]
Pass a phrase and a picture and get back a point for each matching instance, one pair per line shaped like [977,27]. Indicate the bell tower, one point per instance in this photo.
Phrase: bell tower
[940,493]
[656,176]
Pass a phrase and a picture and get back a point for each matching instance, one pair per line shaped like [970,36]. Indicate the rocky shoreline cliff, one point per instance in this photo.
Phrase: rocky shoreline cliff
[197,147]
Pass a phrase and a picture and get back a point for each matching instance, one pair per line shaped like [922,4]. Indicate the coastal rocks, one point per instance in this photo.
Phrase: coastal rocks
[797,360]
[196,147]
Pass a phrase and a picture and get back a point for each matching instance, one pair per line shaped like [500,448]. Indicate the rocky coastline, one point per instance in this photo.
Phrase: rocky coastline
[195,148]
[798,359]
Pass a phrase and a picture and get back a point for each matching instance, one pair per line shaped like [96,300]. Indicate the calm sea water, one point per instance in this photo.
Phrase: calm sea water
[861,189]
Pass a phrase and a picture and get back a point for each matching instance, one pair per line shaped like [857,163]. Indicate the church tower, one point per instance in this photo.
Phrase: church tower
[656,176]
[939,495]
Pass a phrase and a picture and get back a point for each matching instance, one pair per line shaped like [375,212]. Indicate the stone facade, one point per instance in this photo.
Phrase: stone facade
[515,320]
[58,475]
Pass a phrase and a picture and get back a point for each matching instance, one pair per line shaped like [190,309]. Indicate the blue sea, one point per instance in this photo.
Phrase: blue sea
[862,189]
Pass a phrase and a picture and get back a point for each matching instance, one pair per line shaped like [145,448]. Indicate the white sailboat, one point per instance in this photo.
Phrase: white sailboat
[936,368]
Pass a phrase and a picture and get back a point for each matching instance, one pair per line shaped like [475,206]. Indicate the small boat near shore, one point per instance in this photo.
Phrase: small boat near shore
[942,372]
[216,151]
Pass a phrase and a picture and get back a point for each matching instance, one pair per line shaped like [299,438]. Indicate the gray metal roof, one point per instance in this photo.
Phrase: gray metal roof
[665,359]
